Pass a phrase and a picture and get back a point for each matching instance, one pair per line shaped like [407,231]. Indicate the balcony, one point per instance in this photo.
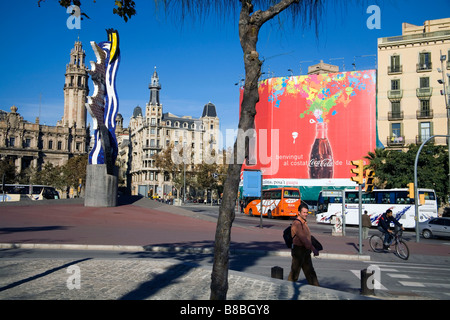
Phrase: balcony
[424,114]
[420,139]
[424,93]
[396,141]
[424,67]
[395,115]
[395,69]
[395,95]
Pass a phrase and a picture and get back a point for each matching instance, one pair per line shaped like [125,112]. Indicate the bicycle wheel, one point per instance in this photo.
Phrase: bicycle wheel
[376,243]
[402,250]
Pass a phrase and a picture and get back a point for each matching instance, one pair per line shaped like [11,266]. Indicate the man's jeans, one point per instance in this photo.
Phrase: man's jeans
[387,237]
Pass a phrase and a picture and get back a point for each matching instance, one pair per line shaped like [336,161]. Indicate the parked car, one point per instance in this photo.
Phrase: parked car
[435,227]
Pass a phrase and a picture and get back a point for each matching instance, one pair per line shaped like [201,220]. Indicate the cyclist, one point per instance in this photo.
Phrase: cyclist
[384,224]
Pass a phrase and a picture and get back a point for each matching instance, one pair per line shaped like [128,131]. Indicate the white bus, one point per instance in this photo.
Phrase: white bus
[13,192]
[376,203]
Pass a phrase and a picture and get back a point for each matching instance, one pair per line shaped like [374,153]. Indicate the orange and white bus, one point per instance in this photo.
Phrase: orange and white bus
[277,202]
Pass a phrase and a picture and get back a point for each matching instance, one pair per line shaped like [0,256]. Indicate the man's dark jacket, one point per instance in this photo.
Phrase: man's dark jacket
[385,222]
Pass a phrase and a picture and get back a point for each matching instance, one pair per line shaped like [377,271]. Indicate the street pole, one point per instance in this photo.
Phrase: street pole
[184,183]
[360,218]
[261,203]
[416,191]
[343,212]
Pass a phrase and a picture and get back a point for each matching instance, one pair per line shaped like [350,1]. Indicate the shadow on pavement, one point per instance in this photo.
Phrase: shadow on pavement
[160,281]
[31,229]
[43,274]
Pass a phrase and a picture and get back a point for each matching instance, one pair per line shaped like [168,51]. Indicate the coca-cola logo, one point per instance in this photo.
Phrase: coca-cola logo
[320,163]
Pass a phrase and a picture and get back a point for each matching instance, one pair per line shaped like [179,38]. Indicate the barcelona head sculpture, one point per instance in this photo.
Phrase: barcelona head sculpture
[103,105]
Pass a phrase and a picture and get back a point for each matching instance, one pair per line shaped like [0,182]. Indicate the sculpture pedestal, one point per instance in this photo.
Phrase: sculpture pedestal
[101,188]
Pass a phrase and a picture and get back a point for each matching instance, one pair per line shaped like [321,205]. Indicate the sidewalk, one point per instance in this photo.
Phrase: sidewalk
[143,225]
[141,279]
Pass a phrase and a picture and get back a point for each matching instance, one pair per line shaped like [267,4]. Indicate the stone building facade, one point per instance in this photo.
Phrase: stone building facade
[30,144]
[153,130]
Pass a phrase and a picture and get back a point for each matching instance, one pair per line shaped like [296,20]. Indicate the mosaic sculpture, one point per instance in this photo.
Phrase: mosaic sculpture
[103,105]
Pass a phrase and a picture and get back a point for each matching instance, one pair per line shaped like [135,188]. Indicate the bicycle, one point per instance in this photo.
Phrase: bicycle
[401,249]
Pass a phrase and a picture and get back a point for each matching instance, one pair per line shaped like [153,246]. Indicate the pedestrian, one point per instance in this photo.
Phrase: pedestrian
[366,224]
[301,248]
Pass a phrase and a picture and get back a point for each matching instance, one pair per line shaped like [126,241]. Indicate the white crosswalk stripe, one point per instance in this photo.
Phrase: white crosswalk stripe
[419,278]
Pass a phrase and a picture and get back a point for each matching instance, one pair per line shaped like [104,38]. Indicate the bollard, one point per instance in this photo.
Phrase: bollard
[277,272]
[367,283]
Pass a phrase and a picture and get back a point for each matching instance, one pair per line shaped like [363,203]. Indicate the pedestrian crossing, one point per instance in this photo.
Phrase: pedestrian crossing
[431,280]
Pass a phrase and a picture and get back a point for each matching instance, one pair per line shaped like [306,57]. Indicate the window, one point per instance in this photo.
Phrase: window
[50,144]
[12,141]
[395,84]
[424,61]
[424,107]
[59,145]
[425,130]
[396,137]
[425,82]
[396,129]
[395,109]
[291,194]
[27,143]
[395,66]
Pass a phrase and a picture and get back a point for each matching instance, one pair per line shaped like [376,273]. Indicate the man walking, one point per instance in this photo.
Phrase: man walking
[366,224]
[301,248]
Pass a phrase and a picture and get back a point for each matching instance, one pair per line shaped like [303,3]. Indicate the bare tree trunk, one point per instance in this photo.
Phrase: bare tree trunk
[249,26]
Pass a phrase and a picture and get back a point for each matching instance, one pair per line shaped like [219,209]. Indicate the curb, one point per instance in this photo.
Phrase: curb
[150,248]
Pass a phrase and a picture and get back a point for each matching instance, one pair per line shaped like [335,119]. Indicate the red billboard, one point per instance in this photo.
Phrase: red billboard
[313,126]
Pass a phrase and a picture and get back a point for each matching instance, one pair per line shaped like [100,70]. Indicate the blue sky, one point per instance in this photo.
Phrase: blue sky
[197,62]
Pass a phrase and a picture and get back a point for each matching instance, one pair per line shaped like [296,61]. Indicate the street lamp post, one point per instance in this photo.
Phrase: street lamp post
[416,191]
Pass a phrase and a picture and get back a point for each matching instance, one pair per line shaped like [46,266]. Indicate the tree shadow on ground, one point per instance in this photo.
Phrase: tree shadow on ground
[31,229]
[159,282]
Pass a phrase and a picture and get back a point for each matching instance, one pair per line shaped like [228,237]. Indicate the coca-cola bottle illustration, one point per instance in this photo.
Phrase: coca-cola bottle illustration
[321,158]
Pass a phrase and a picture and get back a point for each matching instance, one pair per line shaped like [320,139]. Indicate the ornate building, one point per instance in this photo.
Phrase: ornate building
[32,144]
[153,131]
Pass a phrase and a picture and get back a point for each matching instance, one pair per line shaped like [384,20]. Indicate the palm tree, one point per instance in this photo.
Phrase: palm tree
[376,158]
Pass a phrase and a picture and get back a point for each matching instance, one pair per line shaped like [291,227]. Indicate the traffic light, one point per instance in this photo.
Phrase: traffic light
[358,171]
[411,190]
[370,174]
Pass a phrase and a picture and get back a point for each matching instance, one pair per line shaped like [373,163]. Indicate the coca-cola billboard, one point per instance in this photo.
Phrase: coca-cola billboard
[312,127]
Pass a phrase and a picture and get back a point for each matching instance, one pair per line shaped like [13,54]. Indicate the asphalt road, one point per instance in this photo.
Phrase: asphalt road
[320,228]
